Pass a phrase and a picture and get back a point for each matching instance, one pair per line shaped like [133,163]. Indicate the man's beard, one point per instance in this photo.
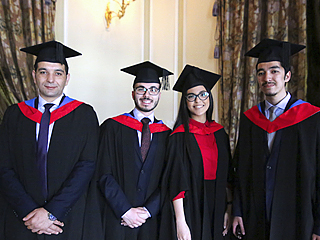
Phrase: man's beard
[270,94]
[142,109]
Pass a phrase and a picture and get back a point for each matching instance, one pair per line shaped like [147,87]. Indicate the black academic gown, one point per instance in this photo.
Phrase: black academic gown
[279,192]
[205,200]
[125,180]
[70,163]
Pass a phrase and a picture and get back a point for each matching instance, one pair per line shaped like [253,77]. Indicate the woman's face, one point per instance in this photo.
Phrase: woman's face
[198,103]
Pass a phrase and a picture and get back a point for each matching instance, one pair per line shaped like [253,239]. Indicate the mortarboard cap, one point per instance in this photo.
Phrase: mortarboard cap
[52,51]
[273,50]
[148,72]
[193,76]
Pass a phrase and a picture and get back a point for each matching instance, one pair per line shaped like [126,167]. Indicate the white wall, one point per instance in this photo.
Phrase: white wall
[199,42]
[169,33]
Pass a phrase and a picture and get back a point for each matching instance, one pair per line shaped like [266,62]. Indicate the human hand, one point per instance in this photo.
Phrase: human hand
[48,231]
[37,221]
[183,231]
[315,237]
[132,218]
[145,214]
[227,221]
[238,227]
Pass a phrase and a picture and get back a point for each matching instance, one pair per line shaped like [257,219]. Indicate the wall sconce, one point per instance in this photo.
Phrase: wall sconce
[111,12]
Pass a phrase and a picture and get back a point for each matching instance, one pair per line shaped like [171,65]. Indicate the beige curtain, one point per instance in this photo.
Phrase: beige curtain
[22,23]
[243,24]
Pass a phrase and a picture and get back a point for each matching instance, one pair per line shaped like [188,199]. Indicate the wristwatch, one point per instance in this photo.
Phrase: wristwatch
[51,217]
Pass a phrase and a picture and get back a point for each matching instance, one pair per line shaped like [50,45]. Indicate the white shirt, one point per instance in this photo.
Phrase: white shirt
[281,106]
[41,108]
[138,115]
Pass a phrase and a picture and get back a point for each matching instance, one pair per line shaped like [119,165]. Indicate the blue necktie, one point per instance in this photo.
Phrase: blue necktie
[42,148]
[145,138]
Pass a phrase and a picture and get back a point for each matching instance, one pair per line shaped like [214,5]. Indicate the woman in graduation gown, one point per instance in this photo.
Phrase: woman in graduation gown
[194,185]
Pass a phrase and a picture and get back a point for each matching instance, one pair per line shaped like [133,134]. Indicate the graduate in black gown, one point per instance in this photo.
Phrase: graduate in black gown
[198,159]
[45,184]
[132,159]
[277,159]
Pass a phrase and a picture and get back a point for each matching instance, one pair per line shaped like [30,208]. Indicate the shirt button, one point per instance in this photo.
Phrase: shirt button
[139,189]
[268,167]
[142,171]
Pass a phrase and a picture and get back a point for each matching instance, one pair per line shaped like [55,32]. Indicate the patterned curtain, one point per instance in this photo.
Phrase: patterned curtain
[243,24]
[22,23]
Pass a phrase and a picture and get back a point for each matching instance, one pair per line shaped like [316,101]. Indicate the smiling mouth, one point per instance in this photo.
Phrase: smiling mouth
[199,106]
[268,84]
[146,101]
[50,87]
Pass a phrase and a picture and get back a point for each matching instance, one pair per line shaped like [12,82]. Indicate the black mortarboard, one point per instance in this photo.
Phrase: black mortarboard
[273,50]
[148,72]
[192,76]
[52,51]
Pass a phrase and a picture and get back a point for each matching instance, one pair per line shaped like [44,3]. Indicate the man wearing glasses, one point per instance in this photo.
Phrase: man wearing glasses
[132,159]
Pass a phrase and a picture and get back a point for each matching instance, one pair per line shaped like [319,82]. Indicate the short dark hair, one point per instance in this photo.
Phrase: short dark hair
[65,67]
[286,69]
[134,83]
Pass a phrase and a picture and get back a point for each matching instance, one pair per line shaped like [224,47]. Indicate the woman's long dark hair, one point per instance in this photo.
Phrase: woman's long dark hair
[184,113]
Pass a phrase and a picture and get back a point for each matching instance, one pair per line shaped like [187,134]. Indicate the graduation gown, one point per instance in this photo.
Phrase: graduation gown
[70,165]
[280,189]
[205,200]
[125,180]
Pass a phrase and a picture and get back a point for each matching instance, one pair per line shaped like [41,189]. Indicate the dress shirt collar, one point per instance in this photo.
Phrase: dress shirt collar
[42,102]
[138,115]
[282,104]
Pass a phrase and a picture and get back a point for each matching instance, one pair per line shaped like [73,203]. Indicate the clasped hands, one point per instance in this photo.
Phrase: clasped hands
[38,222]
[134,217]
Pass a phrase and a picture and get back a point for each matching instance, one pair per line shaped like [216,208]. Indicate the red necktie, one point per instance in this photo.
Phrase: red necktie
[145,138]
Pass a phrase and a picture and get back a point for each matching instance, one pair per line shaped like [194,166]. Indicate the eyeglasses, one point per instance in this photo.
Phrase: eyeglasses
[191,97]
[142,90]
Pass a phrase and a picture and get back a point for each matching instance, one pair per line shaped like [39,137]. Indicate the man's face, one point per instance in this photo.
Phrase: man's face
[51,79]
[272,78]
[146,102]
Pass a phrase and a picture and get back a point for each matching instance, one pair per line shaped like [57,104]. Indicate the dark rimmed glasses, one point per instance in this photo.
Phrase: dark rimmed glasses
[203,95]
[142,90]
